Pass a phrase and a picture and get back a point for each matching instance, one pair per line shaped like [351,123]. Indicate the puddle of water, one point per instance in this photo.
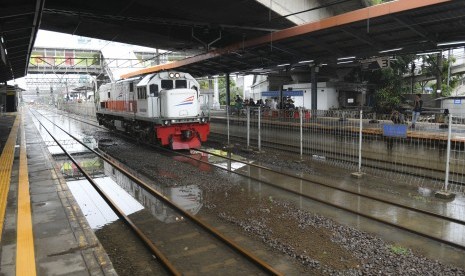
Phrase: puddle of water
[94,208]
[67,142]
[219,161]
[188,197]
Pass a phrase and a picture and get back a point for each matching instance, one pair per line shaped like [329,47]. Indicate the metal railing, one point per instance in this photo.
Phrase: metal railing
[361,142]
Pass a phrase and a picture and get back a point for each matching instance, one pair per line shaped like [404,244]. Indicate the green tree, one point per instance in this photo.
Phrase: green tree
[438,66]
[376,2]
[389,82]
[234,90]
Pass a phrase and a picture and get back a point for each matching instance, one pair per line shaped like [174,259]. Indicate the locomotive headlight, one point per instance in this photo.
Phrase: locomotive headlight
[171,75]
[177,75]
[166,122]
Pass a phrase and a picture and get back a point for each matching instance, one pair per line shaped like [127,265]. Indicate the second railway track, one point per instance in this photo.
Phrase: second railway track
[214,257]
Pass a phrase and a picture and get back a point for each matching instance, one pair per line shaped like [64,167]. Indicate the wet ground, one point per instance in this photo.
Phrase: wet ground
[224,190]
[294,226]
[6,122]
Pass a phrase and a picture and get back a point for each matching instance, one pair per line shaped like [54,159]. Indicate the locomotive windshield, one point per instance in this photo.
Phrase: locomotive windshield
[181,83]
[166,84]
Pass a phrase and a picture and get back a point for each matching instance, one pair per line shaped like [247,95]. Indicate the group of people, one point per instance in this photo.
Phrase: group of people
[270,103]
[398,118]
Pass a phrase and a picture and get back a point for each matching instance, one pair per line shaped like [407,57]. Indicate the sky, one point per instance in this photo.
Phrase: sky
[110,49]
[60,40]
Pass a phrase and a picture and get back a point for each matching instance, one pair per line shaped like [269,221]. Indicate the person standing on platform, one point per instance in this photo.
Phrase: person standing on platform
[417,106]
[273,104]
[397,117]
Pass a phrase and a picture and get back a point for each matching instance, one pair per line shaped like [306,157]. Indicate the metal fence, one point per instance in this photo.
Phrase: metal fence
[426,155]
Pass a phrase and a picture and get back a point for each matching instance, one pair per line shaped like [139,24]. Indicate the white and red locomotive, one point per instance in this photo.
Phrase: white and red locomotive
[161,107]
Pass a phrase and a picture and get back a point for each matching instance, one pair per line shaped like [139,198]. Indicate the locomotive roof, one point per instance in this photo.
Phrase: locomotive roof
[146,79]
[130,79]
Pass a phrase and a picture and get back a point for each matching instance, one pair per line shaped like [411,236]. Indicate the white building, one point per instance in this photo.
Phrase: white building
[455,104]
[300,93]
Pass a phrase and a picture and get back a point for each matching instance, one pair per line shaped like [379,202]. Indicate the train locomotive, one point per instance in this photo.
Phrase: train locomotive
[161,107]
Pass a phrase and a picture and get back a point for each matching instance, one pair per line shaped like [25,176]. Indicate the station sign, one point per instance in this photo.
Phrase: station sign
[457,101]
[375,63]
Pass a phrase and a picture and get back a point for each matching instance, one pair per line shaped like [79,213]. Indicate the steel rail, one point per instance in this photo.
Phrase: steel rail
[325,185]
[270,144]
[459,246]
[147,242]
[260,263]
[342,189]
[462,247]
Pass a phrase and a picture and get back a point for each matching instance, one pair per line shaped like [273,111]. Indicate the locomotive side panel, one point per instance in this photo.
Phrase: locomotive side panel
[117,97]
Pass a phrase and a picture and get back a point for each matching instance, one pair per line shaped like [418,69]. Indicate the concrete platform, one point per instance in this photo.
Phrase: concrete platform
[63,243]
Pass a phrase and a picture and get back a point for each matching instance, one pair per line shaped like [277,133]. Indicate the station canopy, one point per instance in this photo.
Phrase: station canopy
[233,36]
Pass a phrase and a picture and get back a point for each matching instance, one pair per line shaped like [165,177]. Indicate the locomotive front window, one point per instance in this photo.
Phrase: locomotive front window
[166,84]
[181,83]
[154,90]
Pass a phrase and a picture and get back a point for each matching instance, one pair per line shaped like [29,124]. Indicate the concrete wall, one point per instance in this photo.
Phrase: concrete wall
[456,106]
[83,109]
[327,95]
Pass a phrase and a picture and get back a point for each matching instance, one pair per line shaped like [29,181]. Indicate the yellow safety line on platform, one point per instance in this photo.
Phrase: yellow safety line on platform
[6,165]
[25,259]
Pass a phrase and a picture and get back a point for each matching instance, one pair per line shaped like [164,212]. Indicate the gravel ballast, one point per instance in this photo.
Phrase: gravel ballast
[320,244]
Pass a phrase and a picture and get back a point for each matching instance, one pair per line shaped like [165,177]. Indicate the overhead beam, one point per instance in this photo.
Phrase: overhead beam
[390,8]
[16,11]
[362,37]
[417,29]
[151,20]
[35,28]
[324,46]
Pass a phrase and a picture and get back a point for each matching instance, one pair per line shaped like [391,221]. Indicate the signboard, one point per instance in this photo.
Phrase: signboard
[457,101]
[285,93]
[375,63]
[395,131]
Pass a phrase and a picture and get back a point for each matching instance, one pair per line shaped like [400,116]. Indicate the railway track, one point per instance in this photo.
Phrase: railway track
[353,196]
[368,163]
[210,251]
[349,160]
[357,195]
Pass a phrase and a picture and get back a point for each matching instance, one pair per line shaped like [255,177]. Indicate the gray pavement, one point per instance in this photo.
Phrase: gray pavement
[64,242]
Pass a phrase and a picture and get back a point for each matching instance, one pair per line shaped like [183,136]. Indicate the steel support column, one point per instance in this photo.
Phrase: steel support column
[314,72]
[228,90]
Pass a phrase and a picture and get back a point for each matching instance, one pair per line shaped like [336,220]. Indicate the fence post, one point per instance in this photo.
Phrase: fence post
[301,133]
[259,130]
[444,193]
[359,173]
[227,120]
[360,143]
[449,134]
[248,127]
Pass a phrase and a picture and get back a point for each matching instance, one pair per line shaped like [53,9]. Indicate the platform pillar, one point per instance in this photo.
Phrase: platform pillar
[314,77]
[228,90]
